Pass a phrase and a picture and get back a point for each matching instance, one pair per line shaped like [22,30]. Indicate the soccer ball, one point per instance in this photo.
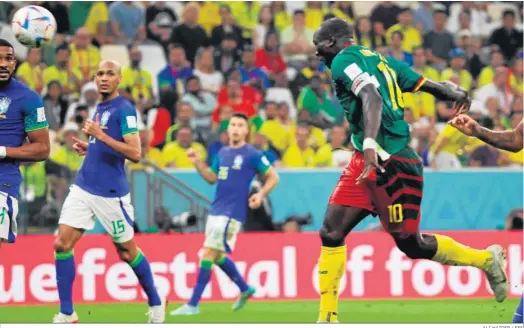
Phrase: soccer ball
[33,26]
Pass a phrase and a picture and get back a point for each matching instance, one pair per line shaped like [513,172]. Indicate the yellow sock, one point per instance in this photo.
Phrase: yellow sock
[450,252]
[331,266]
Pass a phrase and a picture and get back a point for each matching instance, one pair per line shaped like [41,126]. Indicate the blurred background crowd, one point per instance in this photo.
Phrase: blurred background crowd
[189,65]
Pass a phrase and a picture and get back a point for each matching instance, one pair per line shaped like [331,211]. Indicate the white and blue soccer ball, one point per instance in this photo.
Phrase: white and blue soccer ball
[33,26]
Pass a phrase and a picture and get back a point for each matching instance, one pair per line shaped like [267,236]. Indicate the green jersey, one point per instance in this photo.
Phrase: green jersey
[357,66]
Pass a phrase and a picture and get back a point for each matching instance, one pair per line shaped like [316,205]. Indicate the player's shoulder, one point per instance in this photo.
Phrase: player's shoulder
[124,105]
[23,91]
[346,57]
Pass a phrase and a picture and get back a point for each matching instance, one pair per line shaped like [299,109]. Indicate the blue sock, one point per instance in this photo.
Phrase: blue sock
[230,269]
[65,276]
[518,318]
[142,270]
[204,275]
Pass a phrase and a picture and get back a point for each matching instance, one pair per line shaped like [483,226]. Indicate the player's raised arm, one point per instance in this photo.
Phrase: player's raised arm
[208,173]
[36,128]
[511,140]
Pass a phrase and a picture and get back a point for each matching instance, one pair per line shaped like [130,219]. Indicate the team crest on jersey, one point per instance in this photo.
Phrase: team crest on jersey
[237,162]
[4,106]
[104,119]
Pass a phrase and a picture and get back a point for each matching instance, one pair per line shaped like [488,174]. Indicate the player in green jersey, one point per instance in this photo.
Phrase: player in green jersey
[384,176]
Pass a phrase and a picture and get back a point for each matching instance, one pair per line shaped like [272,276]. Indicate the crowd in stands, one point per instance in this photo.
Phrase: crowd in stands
[258,58]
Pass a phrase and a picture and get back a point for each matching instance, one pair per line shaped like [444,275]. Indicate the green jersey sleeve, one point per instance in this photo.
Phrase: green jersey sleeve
[352,70]
[34,112]
[408,80]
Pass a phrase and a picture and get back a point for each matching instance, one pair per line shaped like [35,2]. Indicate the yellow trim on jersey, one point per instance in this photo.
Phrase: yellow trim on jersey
[419,84]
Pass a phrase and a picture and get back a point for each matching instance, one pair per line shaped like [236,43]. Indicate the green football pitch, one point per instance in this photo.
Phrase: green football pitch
[398,311]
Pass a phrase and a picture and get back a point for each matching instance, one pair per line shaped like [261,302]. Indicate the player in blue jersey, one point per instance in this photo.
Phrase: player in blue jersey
[232,170]
[22,116]
[101,190]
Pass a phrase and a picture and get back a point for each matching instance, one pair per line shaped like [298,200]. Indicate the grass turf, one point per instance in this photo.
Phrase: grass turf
[397,311]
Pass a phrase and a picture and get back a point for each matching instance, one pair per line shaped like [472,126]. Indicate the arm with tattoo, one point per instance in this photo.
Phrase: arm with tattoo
[508,140]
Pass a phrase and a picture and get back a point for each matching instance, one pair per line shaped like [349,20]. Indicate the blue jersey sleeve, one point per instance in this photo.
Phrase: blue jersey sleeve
[34,112]
[128,120]
[215,165]
[260,162]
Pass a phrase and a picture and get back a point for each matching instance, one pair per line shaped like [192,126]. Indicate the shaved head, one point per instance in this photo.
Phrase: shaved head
[331,37]
[107,78]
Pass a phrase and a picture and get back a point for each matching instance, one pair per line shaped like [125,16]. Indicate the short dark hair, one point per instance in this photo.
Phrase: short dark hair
[192,77]
[227,7]
[175,46]
[5,43]
[404,9]
[399,34]
[328,16]
[440,11]
[61,47]
[270,102]
[185,126]
[240,115]
[508,12]
[299,12]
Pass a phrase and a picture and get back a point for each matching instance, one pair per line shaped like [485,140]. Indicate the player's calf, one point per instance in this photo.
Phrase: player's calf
[130,253]
[416,246]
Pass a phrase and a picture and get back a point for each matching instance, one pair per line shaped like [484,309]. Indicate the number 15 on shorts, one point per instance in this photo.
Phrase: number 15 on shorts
[395,213]
[118,227]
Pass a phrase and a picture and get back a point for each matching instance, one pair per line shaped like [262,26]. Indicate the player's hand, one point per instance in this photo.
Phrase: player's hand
[465,124]
[93,128]
[461,106]
[193,155]
[370,164]
[80,146]
[255,200]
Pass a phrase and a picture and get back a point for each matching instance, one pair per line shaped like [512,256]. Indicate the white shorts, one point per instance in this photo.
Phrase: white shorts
[221,233]
[8,214]
[116,214]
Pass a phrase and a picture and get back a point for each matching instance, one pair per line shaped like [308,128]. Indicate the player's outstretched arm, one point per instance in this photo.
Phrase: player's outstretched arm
[36,150]
[208,173]
[448,92]
[511,140]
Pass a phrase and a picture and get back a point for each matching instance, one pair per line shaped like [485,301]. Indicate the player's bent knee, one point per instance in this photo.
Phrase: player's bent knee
[211,254]
[413,246]
[332,238]
[61,245]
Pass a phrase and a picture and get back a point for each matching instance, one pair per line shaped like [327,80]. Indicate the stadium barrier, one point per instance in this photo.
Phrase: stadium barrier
[283,268]
[466,199]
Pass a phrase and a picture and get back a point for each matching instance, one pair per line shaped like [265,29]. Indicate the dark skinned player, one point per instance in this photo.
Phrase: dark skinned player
[384,176]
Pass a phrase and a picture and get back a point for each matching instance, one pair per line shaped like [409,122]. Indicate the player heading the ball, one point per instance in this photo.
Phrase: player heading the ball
[101,190]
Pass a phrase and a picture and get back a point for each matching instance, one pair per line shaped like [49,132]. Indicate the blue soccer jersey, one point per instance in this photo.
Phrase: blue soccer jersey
[235,169]
[103,171]
[21,111]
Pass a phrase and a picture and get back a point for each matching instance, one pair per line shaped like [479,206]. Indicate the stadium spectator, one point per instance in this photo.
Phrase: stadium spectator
[470,13]
[64,156]
[277,134]
[251,74]
[457,64]
[280,93]
[137,84]
[423,17]
[246,16]
[228,28]
[507,37]
[516,71]
[158,121]
[269,58]
[160,20]
[208,15]
[299,153]
[33,191]
[222,140]
[189,34]
[498,88]
[335,153]
[63,71]
[84,55]
[203,104]
[297,41]
[411,36]
[344,10]
[92,15]
[174,75]
[383,16]
[227,57]
[242,98]
[303,78]
[260,141]
[316,101]
[59,10]
[317,137]
[366,36]
[472,46]
[314,14]
[55,106]
[281,15]
[31,70]
[210,79]
[487,73]
[438,42]
[151,154]
[88,98]
[174,154]
[397,51]
[127,22]
[184,117]
[266,24]
[284,115]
